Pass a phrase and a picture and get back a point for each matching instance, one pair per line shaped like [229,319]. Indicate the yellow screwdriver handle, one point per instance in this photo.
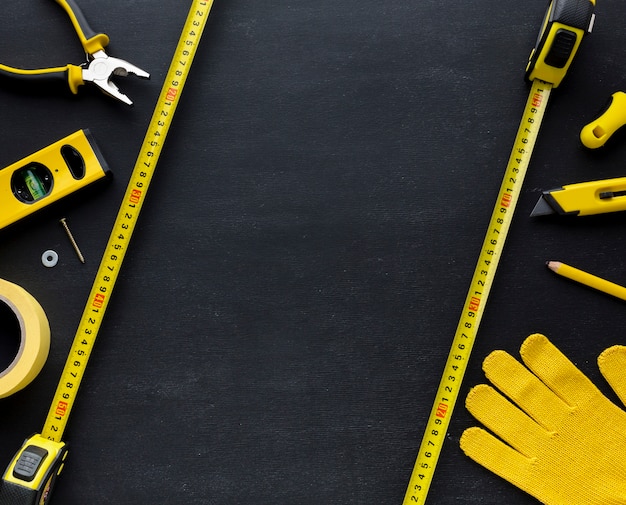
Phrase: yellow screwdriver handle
[600,130]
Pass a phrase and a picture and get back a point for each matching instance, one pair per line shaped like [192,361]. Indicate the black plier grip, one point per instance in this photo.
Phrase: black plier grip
[99,68]
[91,40]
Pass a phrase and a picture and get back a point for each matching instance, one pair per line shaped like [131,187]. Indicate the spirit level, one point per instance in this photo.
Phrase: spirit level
[17,488]
[49,175]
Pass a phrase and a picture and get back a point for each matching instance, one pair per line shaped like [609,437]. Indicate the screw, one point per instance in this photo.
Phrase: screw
[71,237]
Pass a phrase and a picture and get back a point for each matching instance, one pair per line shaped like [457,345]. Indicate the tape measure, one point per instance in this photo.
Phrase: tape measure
[564,25]
[31,474]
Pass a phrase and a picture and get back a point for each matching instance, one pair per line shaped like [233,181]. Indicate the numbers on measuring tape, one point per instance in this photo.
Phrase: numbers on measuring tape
[126,220]
[474,306]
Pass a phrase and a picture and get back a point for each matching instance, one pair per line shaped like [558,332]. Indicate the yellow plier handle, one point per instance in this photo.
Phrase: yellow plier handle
[98,69]
[91,40]
[52,78]
[69,75]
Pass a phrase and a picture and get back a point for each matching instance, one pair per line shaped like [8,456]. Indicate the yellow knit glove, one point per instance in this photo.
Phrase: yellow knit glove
[560,439]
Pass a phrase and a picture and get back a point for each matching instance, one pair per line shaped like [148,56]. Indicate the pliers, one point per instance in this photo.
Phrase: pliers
[99,68]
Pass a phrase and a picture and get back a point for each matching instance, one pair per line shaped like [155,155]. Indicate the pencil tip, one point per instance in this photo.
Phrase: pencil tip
[553,265]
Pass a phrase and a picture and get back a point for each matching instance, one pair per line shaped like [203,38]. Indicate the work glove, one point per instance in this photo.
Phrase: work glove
[560,439]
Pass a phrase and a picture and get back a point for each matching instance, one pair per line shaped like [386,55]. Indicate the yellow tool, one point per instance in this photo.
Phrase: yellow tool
[565,24]
[552,433]
[587,279]
[584,198]
[32,472]
[599,131]
[50,174]
[99,68]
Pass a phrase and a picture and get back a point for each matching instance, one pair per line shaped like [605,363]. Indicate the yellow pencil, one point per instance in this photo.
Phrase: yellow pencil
[587,279]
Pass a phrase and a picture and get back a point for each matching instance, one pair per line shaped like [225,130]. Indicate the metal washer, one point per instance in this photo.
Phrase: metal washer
[49,258]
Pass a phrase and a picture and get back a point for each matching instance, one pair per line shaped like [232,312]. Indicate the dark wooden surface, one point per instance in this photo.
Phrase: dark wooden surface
[284,314]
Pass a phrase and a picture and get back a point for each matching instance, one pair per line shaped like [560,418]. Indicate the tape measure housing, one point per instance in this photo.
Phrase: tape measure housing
[565,24]
[19,488]
[30,477]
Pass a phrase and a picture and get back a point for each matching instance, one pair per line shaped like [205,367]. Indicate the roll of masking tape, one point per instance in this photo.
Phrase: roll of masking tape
[21,317]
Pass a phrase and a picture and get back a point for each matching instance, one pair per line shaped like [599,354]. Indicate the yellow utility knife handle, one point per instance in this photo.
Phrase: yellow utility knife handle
[589,198]
[91,40]
[565,24]
[613,117]
[69,75]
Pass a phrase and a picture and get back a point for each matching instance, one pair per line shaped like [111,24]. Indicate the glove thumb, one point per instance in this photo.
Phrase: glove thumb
[612,364]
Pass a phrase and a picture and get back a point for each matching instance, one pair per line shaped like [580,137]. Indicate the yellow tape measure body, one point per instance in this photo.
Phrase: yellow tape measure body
[564,25]
[49,456]
[125,222]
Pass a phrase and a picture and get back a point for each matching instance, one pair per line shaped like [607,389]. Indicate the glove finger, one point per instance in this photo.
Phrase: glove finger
[612,364]
[554,369]
[524,389]
[505,420]
[499,458]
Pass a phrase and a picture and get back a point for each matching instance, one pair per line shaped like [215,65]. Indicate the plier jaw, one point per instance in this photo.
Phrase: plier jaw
[101,69]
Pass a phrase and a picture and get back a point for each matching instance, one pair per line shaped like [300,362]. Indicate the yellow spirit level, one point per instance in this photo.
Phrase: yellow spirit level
[19,490]
[49,175]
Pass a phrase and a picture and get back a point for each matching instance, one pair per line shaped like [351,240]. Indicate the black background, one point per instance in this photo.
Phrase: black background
[286,307]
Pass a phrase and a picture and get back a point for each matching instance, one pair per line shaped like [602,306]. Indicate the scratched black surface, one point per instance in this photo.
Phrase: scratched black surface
[286,308]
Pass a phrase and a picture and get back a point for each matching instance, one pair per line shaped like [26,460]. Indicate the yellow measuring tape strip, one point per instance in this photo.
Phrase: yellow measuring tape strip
[565,24]
[476,298]
[126,220]
[31,475]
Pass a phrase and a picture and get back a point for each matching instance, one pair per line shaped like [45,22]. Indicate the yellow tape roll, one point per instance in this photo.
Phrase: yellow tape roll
[34,338]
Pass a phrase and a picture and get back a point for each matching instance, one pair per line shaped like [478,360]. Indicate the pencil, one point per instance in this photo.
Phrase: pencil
[587,279]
